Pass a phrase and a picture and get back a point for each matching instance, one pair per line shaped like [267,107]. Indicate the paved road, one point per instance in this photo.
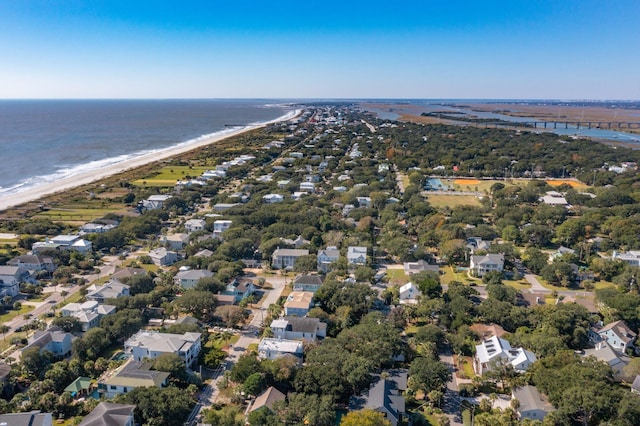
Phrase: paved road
[451,403]
[536,287]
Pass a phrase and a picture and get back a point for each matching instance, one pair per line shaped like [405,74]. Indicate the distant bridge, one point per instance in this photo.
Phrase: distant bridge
[618,125]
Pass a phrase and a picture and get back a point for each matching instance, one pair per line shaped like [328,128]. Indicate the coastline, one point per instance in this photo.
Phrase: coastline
[83,178]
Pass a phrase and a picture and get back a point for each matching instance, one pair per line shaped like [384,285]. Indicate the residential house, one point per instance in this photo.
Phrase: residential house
[296,328]
[96,228]
[312,178]
[631,257]
[554,198]
[194,225]
[110,290]
[133,374]
[204,253]
[618,335]
[298,303]
[189,278]
[498,350]
[532,404]
[616,360]
[240,289]
[33,262]
[150,344]
[10,279]
[163,257]
[297,243]
[347,209]
[356,255]
[53,340]
[326,257]
[219,226]
[385,396]
[128,272]
[562,250]
[110,414]
[221,207]
[273,198]
[155,202]
[175,241]
[286,258]
[411,268]
[283,183]
[266,399]
[63,242]
[409,294]
[89,313]
[480,265]
[364,202]
[477,243]
[306,282]
[308,187]
[80,387]
[32,418]
[276,348]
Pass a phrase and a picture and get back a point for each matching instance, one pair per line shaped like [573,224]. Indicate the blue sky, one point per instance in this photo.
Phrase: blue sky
[561,49]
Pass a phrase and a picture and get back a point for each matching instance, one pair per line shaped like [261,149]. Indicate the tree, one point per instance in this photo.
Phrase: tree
[200,304]
[429,284]
[4,329]
[172,363]
[168,406]
[254,384]
[428,374]
[247,365]
[305,264]
[231,315]
[68,324]
[454,251]
[365,417]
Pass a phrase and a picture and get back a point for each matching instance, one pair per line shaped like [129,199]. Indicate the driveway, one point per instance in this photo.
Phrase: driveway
[536,287]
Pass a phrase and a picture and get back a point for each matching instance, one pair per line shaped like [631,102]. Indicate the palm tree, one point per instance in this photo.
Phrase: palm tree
[64,295]
[4,329]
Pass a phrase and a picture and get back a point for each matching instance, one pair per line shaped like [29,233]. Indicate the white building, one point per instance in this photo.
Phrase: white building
[357,255]
[296,328]
[286,258]
[10,279]
[88,313]
[163,257]
[194,225]
[631,257]
[219,226]
[151,344]
[409,294]
[276,348]
[155,202]
[326,257]
[533,405]
[110,290]
[497,350]
[189,278]
[491,262]
[273,198]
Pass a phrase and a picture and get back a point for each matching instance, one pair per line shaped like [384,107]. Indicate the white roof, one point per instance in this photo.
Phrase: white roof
[491,348]
[280,345]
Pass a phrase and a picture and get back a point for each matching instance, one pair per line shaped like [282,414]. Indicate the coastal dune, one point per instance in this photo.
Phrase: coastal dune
[34,193]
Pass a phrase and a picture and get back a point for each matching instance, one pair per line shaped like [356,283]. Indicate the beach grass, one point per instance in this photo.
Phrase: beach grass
[169,175]
[445,200]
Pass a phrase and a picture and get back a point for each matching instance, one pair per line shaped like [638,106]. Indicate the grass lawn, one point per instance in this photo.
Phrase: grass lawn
[397,276]
[450,274]
[25,309]
[518,285]
[169,175]
[74,298]
[466,417]
[80,214]
[216,341]
[440,201]
[466,367]
[431,419]
[604,284]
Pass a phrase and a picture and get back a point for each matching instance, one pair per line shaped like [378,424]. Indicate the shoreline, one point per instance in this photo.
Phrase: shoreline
[90,176]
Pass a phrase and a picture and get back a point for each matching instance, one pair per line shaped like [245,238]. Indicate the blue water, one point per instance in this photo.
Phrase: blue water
[444,105]
[47,140]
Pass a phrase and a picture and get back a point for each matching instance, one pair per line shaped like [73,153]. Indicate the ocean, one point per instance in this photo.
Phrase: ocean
[42,141]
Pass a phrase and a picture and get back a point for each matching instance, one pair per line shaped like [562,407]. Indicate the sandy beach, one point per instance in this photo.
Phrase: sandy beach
[35,193]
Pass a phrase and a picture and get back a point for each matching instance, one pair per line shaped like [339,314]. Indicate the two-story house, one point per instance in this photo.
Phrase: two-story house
[480,265]
[275,348]
[110,290]
[133,374]
[151,344]
[356,255]
[618,335]
[189,278]
[296,328]
[307,282]
[10,279]
[286,258]
[298,303]
[326,257]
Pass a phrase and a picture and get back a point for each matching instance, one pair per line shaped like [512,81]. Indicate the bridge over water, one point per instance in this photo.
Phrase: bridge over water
[608,125]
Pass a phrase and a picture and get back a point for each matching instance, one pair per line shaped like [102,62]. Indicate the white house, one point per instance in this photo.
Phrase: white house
[411,268]
[96,228]
[364,202]
[239,289]
[219,226]
[533,405]
[88,313]
[110,290]
[10,279]
[64,242]
[286,258]
[308,187]
[409,294]
[155,202]
[175,241]
[554,198]
[276,348]
[480,265]
[33,262]
[194,225]
[33,417]
[326,257]
[631,257]
[163,257]
[189,278]
[357,255]
[132,374]
[151,344]
[273,198]
[296,328]
[617,361]
[498,350]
